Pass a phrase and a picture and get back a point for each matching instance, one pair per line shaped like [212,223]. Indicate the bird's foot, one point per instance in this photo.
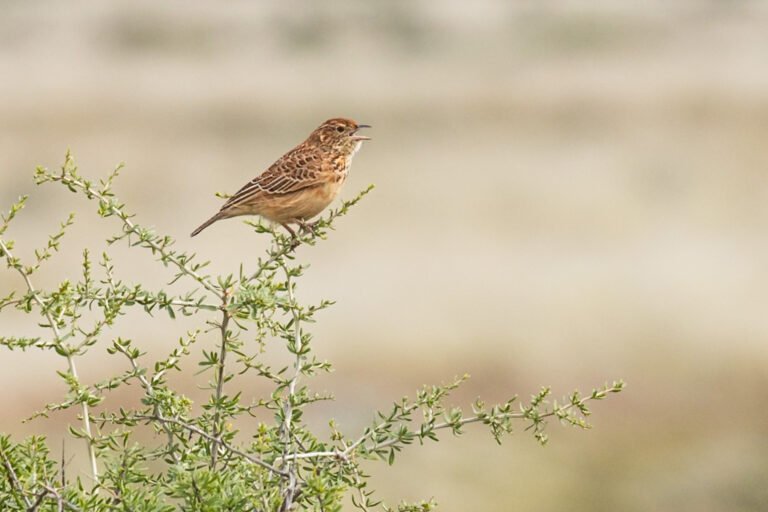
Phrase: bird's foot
[308,227]
[295,241]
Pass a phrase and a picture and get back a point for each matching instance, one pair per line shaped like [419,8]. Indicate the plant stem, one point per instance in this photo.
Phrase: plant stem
[70,359]
[291,488]
[156,408]
[202,433]
[220,376]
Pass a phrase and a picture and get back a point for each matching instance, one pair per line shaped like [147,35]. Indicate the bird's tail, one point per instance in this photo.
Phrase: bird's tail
[207,223]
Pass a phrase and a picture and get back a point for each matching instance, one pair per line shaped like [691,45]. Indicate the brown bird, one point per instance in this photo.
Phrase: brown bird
[303,182]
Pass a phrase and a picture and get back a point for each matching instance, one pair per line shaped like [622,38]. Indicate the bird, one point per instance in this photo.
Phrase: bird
[301,183]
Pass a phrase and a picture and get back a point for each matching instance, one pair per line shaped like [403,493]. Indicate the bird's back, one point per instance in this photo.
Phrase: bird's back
[300,168]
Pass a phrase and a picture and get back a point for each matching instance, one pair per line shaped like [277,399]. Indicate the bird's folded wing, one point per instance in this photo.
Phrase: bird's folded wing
[295,171]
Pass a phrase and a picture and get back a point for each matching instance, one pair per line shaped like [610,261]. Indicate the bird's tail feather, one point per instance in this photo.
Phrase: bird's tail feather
[207,223]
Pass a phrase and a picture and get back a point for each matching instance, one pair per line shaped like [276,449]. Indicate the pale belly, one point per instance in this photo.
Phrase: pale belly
[302,205]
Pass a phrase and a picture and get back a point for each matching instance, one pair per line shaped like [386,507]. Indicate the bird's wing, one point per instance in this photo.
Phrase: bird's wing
[296,170]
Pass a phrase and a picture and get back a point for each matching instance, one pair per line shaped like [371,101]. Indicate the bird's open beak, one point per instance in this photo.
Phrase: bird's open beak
[361,137]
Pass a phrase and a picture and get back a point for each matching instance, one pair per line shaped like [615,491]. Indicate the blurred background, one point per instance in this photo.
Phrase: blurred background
[567,193]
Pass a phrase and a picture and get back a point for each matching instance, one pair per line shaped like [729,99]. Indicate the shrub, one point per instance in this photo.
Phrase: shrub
[198,460]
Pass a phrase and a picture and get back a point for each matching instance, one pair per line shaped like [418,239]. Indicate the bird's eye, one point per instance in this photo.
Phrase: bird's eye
[339,129]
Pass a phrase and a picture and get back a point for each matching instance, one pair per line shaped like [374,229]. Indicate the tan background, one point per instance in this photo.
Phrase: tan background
[567,193]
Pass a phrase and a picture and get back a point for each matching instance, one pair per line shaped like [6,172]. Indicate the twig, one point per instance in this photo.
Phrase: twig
[33,506]
[60,501]
[363,499]
[40,497]
[131,228]
[52,323]
[202,433]
[151,393]
[63,466]
[13,479]
[275,255]
[345,453]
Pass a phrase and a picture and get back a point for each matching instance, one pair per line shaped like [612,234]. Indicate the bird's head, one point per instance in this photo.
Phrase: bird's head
[340,134]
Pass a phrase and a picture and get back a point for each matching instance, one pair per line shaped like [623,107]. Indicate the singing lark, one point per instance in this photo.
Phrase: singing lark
[303,182]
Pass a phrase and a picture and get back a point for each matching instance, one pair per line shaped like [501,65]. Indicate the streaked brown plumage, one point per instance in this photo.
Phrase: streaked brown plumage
[303,182]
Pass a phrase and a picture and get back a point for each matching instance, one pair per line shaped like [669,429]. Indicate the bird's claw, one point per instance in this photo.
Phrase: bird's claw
[309,227]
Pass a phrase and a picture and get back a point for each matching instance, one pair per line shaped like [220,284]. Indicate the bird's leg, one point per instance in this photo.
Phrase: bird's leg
[292,232]
[295,241]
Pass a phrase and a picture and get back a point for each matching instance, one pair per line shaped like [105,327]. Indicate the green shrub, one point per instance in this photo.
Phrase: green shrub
[198,461]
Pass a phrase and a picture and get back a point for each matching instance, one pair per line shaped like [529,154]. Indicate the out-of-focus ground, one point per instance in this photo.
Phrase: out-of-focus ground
[567,193]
